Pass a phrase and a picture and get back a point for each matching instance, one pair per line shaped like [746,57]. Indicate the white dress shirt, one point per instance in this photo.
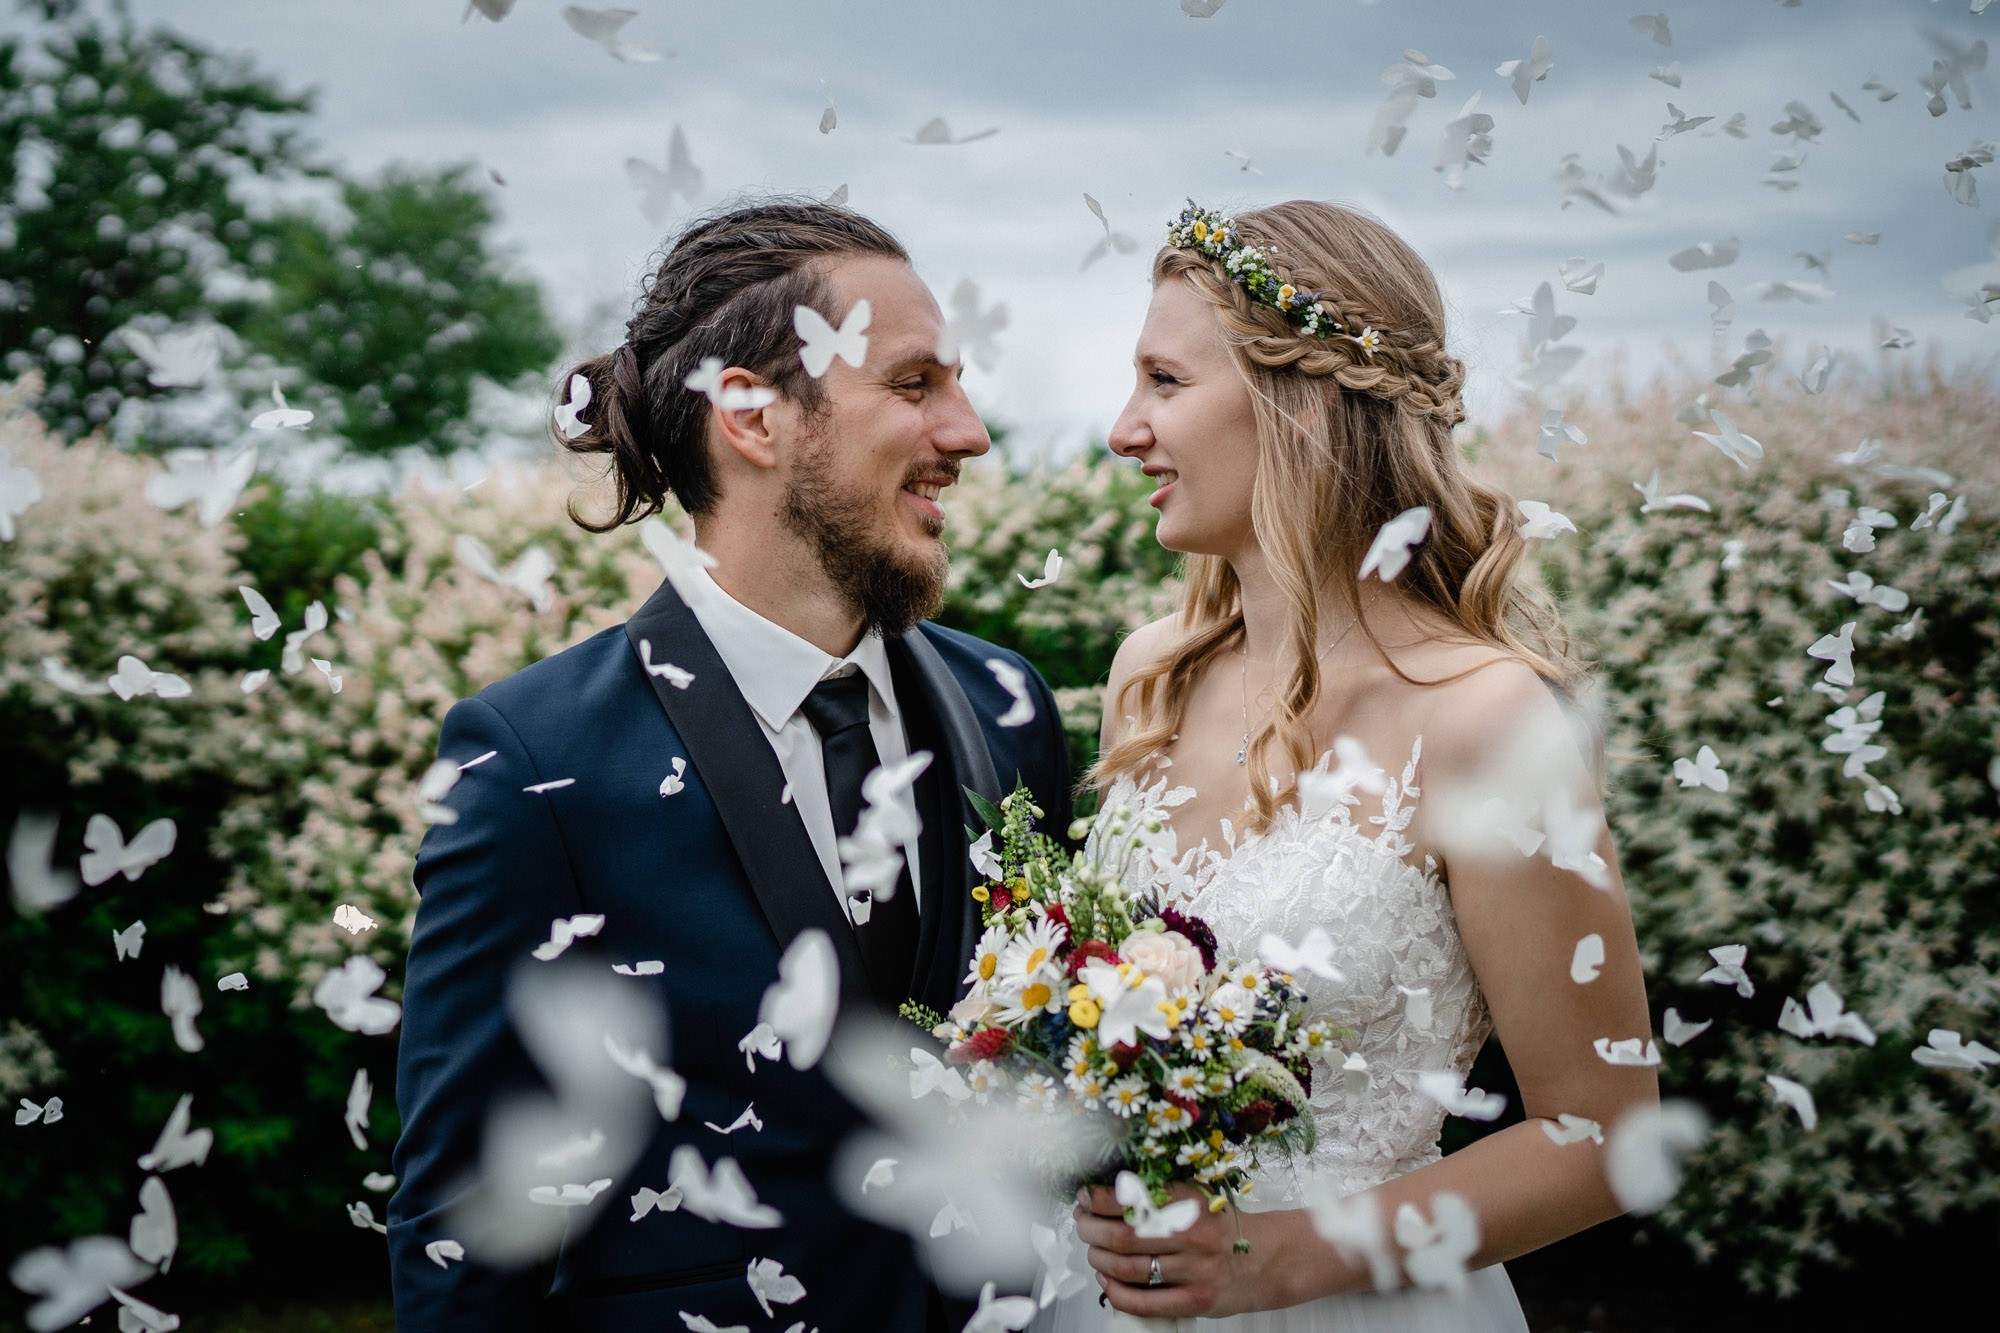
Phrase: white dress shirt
[775,670]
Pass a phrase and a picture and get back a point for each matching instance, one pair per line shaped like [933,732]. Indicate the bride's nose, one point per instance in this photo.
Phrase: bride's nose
[1130,435]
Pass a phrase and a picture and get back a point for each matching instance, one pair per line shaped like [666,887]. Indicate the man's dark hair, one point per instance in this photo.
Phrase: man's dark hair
[725,288]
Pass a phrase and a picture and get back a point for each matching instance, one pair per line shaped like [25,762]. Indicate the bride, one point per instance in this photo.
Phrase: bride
[1293,397]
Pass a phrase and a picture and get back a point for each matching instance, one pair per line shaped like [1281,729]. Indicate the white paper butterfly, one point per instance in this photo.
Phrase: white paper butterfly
[155,1231]
[707,379]
[282,417]
[568,419]
[1015,681]
[1051,571]
[1704,770]
[19,488]
[1539,522]
[801,1005]
[1737,447]
[178,1145]
[720,1194]
[604,26]
[657,188]
[109,854]
[264,621]
[178,358]
[565,931]
[359,1094]
[73,1281]
[1389,554]
[134,678]
[823,342]
[937,131]
[527,575]
[205,476]
[971,330]
[180,1001]
[348,997]
[128,942]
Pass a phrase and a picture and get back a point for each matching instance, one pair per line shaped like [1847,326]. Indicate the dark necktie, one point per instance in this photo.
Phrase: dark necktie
[838,711]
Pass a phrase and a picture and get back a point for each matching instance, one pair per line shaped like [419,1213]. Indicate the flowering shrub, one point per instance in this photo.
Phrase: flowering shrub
[1841,852]
[95,571]
[327,810]
[1115,576]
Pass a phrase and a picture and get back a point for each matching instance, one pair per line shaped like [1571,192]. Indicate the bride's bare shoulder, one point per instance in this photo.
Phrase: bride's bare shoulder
[1144,645]
[1485,703]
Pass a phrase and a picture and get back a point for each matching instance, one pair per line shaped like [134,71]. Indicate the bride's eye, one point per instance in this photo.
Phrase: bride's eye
[1162,378]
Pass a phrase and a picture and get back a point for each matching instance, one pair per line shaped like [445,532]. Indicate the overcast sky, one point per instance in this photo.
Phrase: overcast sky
[1140,105]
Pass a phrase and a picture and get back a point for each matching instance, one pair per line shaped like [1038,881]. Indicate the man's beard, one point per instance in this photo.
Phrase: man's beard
[891,589]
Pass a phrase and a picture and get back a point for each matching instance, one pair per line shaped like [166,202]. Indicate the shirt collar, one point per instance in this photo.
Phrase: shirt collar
[774,668]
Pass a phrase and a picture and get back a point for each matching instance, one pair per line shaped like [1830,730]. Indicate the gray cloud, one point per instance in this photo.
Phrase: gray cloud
[1135,103]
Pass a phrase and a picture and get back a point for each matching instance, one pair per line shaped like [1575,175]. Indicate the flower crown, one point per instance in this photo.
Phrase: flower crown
[1210,233]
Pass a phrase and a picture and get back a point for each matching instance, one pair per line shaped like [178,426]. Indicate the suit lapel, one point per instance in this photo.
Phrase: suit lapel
[946,936]
[726,746]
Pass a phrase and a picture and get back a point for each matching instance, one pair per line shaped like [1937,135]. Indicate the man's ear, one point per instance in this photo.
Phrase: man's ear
[746,415]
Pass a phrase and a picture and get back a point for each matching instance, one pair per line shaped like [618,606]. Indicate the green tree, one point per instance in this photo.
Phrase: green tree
[125,206]
[395,315]
[116,198]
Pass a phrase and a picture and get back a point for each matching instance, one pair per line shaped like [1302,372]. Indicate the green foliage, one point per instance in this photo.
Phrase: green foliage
[298,540]
[131,215]
[95,573]
[132,140]
[394,316]
[1115,576]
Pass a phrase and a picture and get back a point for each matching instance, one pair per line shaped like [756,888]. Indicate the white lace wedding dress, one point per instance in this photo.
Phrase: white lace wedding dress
[1409,997]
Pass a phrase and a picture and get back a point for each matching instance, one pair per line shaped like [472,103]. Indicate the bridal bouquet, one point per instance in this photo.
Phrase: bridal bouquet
[1086,1001]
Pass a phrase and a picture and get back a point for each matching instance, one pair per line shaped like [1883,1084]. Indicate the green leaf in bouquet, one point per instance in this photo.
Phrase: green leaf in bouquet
[986,810]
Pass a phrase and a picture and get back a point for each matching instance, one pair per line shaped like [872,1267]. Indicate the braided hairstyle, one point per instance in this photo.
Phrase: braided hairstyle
[725,288]
[1347,439]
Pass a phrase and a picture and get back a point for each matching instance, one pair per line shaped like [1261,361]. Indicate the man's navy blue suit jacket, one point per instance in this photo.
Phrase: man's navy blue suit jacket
[715,881]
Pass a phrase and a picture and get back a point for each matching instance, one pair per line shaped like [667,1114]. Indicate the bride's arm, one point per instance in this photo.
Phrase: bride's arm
[1520,919]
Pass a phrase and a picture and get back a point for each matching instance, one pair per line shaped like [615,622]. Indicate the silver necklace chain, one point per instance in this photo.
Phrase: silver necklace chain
[1243,675]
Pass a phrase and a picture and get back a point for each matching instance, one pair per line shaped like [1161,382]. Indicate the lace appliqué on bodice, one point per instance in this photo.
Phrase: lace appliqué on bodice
[1395,939]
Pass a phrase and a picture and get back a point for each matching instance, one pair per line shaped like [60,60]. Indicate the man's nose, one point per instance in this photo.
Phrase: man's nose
[960,432]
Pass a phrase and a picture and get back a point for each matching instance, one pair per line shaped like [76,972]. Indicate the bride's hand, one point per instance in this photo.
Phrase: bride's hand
[1200,1272]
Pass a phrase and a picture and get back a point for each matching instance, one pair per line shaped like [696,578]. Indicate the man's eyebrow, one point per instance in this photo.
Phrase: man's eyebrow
[920,359]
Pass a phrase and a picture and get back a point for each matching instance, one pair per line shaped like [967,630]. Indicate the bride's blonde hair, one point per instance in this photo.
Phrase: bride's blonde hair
[1345,442]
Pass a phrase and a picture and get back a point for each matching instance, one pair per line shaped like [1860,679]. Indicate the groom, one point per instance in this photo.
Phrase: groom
[703,816]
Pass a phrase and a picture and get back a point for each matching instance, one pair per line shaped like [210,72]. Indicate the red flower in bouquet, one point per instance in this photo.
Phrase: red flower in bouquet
[1085,951]
[985,1044]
